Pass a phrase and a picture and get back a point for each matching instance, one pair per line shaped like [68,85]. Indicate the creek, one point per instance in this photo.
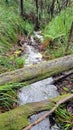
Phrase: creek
[37,91]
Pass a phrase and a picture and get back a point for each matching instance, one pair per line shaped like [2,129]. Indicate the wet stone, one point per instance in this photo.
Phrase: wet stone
[38,91]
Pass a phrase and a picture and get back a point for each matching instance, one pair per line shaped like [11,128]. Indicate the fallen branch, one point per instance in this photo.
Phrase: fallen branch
[62,76]
[49,112]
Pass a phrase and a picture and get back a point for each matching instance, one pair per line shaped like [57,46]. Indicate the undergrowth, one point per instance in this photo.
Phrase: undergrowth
[11,24]
[11,62]
[64,118]
[59,26]
[58,30]
[7,99]
[8,95]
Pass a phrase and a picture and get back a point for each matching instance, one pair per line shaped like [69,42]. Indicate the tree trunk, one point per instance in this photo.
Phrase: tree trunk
[69,38]
[38,71]
[17,119]
[37,18]
[52,8]
[7,2]
[21,7]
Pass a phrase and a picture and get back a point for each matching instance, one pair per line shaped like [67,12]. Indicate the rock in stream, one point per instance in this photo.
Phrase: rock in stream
[39,91]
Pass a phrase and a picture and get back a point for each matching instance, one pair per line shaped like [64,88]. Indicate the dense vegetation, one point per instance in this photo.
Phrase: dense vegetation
[54,21]
[11,25]
[20,18]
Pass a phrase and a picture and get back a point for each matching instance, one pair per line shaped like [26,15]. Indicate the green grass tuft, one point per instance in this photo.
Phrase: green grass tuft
[64,118]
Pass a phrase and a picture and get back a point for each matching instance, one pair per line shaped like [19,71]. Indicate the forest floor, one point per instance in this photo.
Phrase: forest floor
[66,86]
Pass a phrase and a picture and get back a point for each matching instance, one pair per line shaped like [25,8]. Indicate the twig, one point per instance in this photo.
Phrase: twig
[49,112]
[62,76]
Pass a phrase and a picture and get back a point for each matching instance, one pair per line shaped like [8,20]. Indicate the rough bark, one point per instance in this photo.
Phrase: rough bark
[17,119]
[38,71]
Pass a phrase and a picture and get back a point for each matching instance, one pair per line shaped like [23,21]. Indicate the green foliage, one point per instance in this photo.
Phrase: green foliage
[19,62]
[11,63]
[8,95]
[59,26]
[10,25]
[28,27]
[64,118]
[15,85]
[58,30]
[59,51]
[8,98]
[29,6]
[6,62]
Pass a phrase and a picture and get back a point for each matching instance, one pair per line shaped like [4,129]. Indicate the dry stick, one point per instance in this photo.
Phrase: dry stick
[49,112]
[62,76]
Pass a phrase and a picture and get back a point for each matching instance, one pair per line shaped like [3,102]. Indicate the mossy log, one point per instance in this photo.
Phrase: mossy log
[17,119]
[41,70]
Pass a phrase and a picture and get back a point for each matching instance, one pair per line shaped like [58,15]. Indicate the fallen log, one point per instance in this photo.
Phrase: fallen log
[49,112]
[17,119]
[38,71]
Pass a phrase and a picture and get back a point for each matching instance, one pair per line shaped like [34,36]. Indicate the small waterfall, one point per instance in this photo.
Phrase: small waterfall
[32,56]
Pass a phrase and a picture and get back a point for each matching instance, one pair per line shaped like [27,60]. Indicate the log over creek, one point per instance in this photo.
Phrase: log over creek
[40,96]
[38,71]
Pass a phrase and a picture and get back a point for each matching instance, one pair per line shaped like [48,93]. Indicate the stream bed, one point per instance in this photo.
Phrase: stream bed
[37,91]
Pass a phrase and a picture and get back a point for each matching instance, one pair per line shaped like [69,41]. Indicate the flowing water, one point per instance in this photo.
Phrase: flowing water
[32,56]
[38,91]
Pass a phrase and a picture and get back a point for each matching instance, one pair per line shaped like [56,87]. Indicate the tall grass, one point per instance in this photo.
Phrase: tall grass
[8,99]
[64,118]
[8,95]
